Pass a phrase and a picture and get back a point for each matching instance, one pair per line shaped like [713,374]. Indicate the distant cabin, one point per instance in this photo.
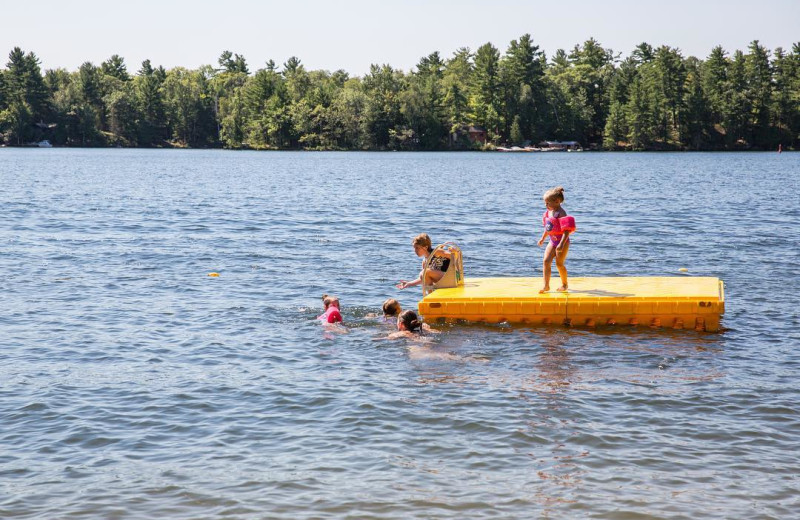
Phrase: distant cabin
[474,134]
[477,134]
[560,145]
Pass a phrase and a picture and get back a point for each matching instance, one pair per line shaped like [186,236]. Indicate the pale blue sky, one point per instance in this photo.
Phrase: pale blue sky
[352,34]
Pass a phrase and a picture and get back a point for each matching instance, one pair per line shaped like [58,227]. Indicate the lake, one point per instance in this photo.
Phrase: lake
[136,386]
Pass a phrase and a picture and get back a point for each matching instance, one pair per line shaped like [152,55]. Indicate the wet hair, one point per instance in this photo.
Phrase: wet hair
[410,320]
[554,193]
[422,240]
[391,307]
[328,300]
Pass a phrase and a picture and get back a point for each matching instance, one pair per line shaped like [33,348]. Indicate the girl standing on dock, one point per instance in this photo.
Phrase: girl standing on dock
[557,226]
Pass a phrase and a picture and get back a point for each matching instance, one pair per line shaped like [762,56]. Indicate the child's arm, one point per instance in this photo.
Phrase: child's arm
[544,235]
[404,284]
[399,334]
[560,245]
[427,328]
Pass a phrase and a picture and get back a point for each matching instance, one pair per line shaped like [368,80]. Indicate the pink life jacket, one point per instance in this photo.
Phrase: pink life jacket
[557,226]
[332,315]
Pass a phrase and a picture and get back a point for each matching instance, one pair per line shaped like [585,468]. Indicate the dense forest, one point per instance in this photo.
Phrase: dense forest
[654,99]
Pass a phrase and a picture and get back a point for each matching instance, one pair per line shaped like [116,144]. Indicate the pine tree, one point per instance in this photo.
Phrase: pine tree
[485,98]
[758,78]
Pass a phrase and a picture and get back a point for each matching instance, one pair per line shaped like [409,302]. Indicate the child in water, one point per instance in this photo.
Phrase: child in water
[391,309]
[408,326]
[332,313]
[558,245]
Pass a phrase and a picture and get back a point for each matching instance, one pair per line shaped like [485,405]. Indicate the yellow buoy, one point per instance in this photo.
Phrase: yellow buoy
[213,274]
[683,270]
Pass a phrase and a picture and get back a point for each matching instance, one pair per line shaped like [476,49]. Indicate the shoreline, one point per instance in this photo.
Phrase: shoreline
[312,150]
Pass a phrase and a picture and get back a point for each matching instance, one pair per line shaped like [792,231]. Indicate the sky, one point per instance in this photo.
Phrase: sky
[352,34]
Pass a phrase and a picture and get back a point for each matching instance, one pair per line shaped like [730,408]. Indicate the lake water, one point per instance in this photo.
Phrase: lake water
[136,386]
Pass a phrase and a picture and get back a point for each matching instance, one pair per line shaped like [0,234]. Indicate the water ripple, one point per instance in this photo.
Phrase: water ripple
[135,385]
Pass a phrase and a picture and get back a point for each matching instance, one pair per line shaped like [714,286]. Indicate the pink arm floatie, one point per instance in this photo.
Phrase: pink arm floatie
[567,224]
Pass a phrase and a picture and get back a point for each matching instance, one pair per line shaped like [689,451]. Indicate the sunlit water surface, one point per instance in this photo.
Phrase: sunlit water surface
[136,386]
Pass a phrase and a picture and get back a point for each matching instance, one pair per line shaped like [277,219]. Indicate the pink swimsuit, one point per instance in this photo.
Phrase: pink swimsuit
[555,227]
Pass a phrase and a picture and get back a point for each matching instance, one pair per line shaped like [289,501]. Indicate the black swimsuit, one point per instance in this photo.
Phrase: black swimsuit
[439,263]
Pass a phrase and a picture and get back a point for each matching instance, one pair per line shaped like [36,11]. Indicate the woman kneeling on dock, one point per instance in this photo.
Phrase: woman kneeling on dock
[437,264]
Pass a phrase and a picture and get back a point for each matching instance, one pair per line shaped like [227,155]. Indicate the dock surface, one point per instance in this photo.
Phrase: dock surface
[676,302]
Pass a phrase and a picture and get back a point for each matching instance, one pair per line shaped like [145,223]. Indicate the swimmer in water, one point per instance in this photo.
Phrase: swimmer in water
[332,313]
[391,309]
[408,326]
[411,327]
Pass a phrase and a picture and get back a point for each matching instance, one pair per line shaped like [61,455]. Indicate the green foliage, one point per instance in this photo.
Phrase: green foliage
[423,106]
[115,67]
[456,82]
[25,98]
[122,115]
[522,82]
[654,99]
[151,112]
[486,103]
[669,75]
[382,119]
[715,72]
[516,131]
[76,119]
[234,63]
[616,128]
[189,108]
[758,74]
[17,119]
[697,118]
[640,115]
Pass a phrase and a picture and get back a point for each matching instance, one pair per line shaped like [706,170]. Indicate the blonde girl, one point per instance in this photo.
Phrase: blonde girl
[557,226]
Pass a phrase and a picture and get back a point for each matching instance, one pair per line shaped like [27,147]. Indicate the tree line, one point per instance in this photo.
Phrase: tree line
[654,99]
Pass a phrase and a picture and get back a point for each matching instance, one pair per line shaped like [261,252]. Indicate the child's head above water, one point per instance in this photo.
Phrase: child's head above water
[554,196]
[409,321]
[391,307]
[327,301]
[331,314]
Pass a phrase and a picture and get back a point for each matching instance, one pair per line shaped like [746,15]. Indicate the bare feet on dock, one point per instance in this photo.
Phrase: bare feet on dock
[563,288]
[545,289]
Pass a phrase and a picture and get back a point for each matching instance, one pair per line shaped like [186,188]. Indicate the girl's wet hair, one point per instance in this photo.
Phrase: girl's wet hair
[391,307]
[554,193]
[410,320]
[327,300]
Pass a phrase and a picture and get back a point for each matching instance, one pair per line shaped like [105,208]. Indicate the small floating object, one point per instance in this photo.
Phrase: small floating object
[683,270]
[214,275]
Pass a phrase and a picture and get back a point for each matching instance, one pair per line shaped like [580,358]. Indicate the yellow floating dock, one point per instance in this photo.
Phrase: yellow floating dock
[681,302]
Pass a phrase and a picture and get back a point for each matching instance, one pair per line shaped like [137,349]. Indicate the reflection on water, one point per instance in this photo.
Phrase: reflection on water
[554,365]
